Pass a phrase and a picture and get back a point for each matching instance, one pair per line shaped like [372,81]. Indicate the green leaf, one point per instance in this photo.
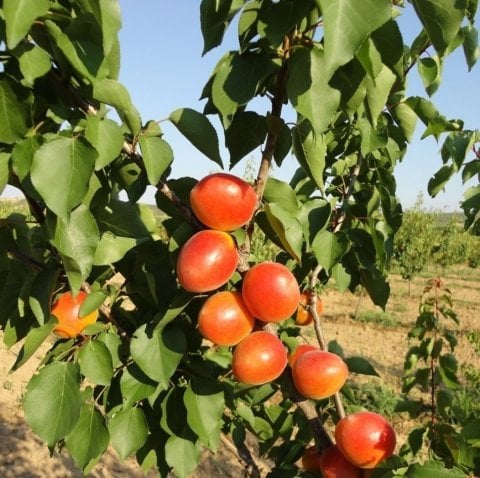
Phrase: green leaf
[34,339]
[430,70]
[19,17]
[182,455]
[76,238]
[115,94]
[41,292]
[310,150]
[106,137]
[111,22]
[123,219]
[342,278]
[33,64]
[93,302]
[406,118]
[75,159]
[96,362]
[360,365]
[128,431]
[215,17]
[13,116]
[433,469]
[376,285]
[247,131]
[159,351]
[441,19]
[277,19]
[197,128]
[378,91]
[281,193]
[329,248]
[205,405]
[112,248]
[4,170]
[82,45]
[309,90]
[135,385]
[347,24]
[238,79]
[440,179]
[89,438]
[53,400]
[288,229]
[470,45]
[314,216]
[157,157]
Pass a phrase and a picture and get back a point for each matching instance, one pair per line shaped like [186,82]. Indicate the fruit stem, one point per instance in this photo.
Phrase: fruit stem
[319,331]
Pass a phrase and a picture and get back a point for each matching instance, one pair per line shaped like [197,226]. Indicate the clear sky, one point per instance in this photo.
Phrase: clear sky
[163,68]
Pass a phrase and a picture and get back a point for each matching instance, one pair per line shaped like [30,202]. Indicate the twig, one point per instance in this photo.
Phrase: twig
[244,456]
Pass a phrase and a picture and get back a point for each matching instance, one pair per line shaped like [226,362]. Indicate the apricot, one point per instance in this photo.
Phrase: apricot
[333,464]
[259,358]
[319,374]
[300,350]
[66,309]
[365,438]
[223,201]
[311,459]
[270,291]
[224,319]
[207,261]
[303,315]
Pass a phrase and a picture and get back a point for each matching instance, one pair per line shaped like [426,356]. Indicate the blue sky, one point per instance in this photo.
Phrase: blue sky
[163,68]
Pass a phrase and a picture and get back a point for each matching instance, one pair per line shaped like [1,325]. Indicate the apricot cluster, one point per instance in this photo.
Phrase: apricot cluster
[269,293]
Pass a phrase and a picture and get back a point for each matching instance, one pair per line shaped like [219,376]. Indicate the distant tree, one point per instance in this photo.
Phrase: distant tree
[414,241]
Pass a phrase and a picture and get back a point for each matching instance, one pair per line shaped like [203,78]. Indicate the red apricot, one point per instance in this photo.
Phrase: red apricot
[270,291]
[224,319]
[311,459]
[303,315]
[319,374]
[207,261]
[365,438]
[333,464]
[300,350]
[66,310]
[223,201]
[259,358]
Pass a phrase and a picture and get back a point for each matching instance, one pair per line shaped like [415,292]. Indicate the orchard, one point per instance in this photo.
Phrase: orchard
[172,333]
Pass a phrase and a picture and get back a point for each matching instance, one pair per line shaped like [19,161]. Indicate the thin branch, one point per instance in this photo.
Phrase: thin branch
[276,111]
[244,455]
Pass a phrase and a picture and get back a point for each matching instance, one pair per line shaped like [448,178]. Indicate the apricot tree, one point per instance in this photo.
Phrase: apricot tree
[143,378]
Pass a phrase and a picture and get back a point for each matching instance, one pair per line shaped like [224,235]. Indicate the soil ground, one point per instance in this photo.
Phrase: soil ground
[23,455]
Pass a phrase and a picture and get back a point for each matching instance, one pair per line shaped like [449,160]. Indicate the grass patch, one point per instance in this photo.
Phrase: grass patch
[376,397]
[377,317]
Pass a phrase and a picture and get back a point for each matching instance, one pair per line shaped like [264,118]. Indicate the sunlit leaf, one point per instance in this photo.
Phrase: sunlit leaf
[52,401]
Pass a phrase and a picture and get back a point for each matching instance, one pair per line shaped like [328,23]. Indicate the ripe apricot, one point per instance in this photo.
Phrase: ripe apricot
[300,350]
[333,464]
[224,319]
[270,291]
[303,315]
[66,310]
[365,438]
[319,374]
[223,201]
[311,459]
[259,358]
[207,261]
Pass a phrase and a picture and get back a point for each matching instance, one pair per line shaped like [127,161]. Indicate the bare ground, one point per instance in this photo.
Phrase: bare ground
[23,455]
